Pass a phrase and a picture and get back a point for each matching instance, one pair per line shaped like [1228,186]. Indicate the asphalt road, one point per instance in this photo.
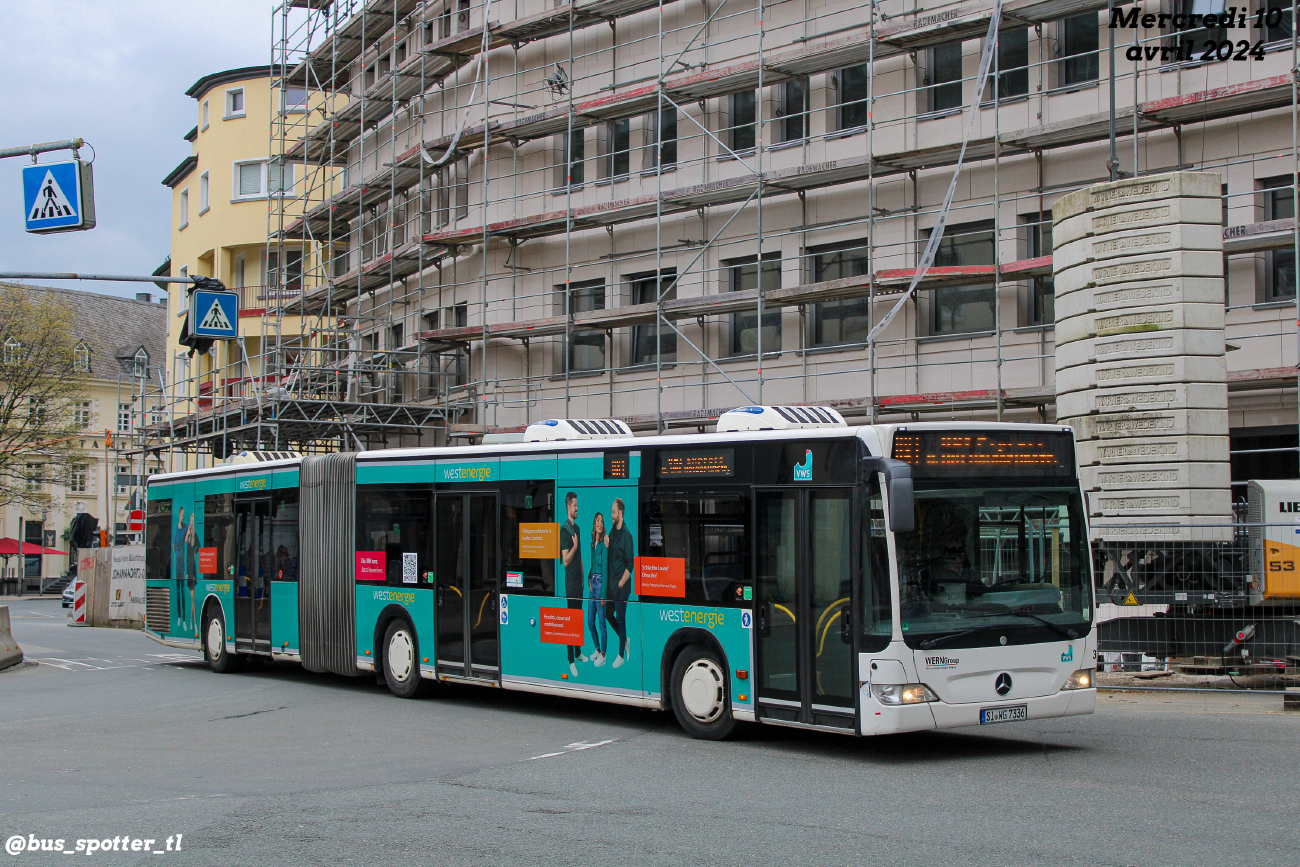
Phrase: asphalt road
[111,734]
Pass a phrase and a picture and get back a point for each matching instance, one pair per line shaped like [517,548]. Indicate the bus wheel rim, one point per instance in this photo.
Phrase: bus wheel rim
[702,690]
[216,643]
[401,655]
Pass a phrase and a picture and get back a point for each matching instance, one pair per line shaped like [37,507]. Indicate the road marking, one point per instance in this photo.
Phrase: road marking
[573,748]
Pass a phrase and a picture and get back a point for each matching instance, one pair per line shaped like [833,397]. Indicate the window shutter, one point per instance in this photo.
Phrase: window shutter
[250,179]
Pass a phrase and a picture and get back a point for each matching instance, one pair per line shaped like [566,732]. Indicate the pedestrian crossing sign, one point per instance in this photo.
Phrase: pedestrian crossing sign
[214,314]
[59,197]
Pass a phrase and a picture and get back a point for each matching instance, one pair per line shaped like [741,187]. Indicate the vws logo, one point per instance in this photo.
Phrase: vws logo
[1068,655]
[803,472]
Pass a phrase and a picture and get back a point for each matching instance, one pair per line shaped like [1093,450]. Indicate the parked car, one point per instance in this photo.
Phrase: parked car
[67,593]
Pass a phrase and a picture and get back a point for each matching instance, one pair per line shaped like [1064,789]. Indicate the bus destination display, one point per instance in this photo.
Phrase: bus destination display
[949,454]
[696,462]
[616,465]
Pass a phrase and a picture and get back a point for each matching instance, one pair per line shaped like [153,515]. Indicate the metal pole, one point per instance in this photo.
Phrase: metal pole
[115,278]
[1112,161]
[70,144]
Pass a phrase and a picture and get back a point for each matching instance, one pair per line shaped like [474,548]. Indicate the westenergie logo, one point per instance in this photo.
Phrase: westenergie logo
[394,596]
[466,474]
[704,618]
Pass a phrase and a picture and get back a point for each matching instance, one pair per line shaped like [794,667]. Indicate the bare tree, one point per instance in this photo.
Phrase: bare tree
[41,386]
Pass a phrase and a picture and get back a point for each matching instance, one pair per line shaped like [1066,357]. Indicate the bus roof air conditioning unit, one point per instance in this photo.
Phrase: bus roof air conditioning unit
[560,429]
[746,418]
[261,457]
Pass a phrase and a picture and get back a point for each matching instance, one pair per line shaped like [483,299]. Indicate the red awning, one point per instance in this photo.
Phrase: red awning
[9,548]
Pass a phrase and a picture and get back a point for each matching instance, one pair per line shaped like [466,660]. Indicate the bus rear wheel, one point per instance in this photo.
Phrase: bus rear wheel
[401,660]
[700,700]
[215,654]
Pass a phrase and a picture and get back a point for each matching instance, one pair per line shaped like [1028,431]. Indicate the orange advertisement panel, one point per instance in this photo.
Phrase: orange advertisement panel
[562,626]
[207,561]
[661,576]
[539,541]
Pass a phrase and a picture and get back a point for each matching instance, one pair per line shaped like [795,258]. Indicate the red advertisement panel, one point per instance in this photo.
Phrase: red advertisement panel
[661,576]
[562,626]
[370,566]
[207,561]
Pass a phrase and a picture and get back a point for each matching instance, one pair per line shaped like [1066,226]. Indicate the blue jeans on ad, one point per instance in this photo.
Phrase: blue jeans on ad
[595,623]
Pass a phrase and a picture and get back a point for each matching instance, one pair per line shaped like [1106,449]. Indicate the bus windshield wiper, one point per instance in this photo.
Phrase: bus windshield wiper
[1067,632]
[943,639]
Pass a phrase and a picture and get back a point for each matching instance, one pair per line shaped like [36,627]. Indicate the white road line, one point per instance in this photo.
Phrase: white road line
[573,748]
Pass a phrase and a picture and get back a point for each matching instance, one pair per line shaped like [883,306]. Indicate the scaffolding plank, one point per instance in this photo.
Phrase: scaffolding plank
[1257,237]
[934,26]
[1259,95]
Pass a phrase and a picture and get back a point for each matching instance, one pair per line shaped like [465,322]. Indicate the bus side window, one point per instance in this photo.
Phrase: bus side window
[284,534]
[396,521]
[711,533]
[158,541]
[877,613]
[219,531]
[525,503]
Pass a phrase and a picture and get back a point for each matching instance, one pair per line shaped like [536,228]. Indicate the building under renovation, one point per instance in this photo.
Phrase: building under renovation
[501,211]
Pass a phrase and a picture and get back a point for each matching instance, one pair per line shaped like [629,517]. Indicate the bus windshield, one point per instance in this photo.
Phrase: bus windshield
[1007,559]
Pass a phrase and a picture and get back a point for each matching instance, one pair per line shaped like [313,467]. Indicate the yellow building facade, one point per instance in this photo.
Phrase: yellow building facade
[222,195]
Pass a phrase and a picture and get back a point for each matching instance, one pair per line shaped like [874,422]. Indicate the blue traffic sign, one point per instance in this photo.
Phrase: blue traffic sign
[58,197]
[214,314]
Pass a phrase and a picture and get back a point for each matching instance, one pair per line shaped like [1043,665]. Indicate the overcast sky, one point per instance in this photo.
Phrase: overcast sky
[114,73]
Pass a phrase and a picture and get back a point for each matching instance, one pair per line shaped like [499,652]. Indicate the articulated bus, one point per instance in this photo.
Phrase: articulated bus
[787,569]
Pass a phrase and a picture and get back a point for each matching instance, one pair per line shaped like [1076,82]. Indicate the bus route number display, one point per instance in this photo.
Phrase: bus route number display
[616,465]
[950,453]
[681,464]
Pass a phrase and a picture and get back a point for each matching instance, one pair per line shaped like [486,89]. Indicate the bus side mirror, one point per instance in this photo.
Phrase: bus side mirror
[898,481]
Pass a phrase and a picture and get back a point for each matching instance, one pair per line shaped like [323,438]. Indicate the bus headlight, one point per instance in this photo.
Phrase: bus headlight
[906,693]
[1081,679]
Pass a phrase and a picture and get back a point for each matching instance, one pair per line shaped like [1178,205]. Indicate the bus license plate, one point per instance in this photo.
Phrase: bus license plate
[991,715]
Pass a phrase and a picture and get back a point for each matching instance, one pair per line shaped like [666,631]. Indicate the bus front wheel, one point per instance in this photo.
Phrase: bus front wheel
[700,701]
[215,654]
[401,660]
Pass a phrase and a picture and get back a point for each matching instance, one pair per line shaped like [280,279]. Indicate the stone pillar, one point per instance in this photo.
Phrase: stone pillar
[1140,368]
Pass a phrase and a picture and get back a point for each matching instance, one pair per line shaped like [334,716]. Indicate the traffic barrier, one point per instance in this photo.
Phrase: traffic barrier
[79,607]
[10,652]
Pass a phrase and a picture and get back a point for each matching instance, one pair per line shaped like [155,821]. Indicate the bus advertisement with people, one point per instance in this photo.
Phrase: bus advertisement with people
[788,569]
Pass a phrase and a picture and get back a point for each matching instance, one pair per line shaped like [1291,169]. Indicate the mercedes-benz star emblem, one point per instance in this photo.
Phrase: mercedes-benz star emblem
[1003,683]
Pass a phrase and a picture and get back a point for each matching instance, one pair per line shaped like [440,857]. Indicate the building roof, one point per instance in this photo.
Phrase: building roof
[216,79]
[181,172]
[114,328]
[192,134]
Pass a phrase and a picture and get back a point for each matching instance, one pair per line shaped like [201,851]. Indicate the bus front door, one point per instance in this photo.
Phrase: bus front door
[467,585]
[803,610]
[253,576]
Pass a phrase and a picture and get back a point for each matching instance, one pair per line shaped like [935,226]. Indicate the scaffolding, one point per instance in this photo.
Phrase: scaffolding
[509,210]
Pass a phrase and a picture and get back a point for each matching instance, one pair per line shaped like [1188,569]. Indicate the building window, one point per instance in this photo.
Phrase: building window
[648,289]
[81,358]
[1013,63]
[184,209]
[851,97]
[203,193]
[587,345]
[944,77]
[1041,300]
[742,274]
[287,277]
[204,114]
[33,474]
[1080,41]
[849,319]
[792,110]
[140,364]
[235,102]
[124,418]
[743,133]
[79,479]
[257,179]
[295,99]
[1282,32]
[81,414]
[248,180]
[618,143]
[279,178]
[1279,265]
[571,173]
[963,309]
[661,138]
